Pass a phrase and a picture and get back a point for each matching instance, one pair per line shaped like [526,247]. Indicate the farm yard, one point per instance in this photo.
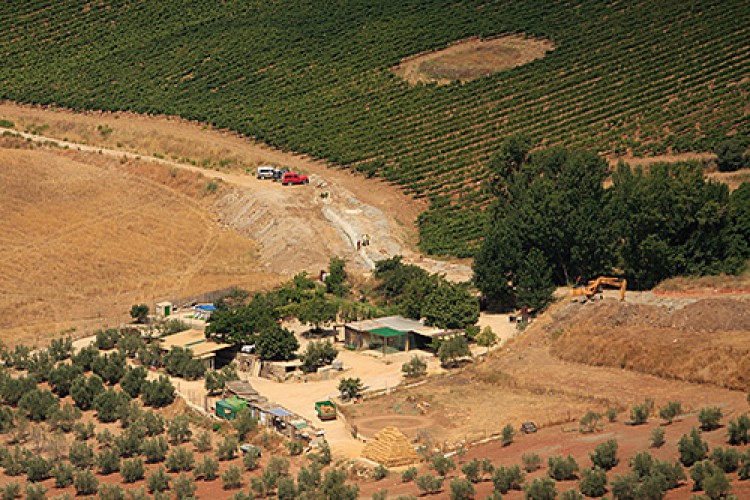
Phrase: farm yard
[665,77]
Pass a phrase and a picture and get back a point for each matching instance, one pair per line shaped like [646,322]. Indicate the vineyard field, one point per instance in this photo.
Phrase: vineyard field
[626,76]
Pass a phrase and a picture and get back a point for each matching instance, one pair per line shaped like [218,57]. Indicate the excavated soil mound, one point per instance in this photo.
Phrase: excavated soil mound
[390,448]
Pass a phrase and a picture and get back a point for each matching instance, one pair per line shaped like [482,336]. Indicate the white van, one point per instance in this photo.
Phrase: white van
[265,172]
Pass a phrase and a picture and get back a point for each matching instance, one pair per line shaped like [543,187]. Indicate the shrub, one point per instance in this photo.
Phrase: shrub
[108,405]
[106,339]
[61,378]
[739,430]
[108,461]
[531,462]
[132,381]
[409,474]
[611,414]
[203,442]
[588,422]
[63,474]
[702,470]
[379,472]
[13,389]
[572,495]
[110,492]
[350,387]
[130,442]
[37,469]
[507,478]
[155,449]
[244,423]
[83,432]
[227,449]
[183,487]
[110,367]
[286,490]
[744,467]
[605,455]
[14,461]
[472,470]
[414,368]
[709,418]
[657,437]
[85,482]
[231,479]
[81,455]
[152,422]
[442,464]
[429,483]
[692,448]
[35,491]
[593,482]
[541,489]
[462,489]
[639,414]
[562,469]
[64,418]
[132,470]
[158,393]
[178,430]
[84,390]
[507,435]
[295,447]
[180,459]
[207,470]
[158,480]
[251,458]
[11,491]
[39,404]
[669,411]
[730,155]
[727,459]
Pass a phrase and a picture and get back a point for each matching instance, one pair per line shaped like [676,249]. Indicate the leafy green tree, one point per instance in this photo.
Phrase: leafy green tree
[657,437]
[692,448]
[39,404]
[335,281]
[541,489]
[84,390]
[350,387]
[63,472]
[429,484]
[594,482]
[158,480]
[277,344]
[562,469]
[639,414]
[251,459]
[132,470]
[441,464]
[208,470]
[158,393]
[180,459]
[318,354]
[110,492]
[108,461]
[451,306]
[462,489]
[133,380]
[244,423]
[61,378]
[183,487]
[178,430]
[670,411]
[486,338]
[85,482]
[139,313]
[203,442]
[727,459]
[37,469]
[108,405]
[531,461]
[507,435]
[730,155]
[231,478]
[155,449]
[13,389]
[738,431]
[414,368]
[507,478]
[179,362]
[214,382]
[452,349]
[534,286]
[605,455]
[81,455]
[227,449]
[709,418]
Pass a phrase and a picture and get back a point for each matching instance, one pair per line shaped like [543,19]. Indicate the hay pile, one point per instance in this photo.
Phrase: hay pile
[390,448]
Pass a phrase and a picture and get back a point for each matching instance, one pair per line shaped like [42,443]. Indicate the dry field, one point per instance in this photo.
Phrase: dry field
[82,239]
[472,59]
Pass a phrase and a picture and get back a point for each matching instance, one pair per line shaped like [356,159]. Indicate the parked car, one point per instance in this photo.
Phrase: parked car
[278,173]
[528,427]
[247,448]
[265,172]
[294,178]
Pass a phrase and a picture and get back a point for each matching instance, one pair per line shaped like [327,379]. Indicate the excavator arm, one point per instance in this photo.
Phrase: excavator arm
[596,286]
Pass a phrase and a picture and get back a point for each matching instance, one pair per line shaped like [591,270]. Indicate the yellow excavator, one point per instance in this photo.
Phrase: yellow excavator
[596,286]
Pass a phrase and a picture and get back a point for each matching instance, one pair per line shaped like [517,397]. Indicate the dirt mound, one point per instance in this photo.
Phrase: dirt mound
[390,448]
[713,315]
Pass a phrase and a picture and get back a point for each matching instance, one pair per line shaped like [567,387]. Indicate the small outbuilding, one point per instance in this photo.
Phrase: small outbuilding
[390,333]
[228,408]
[164,309]
[195,340]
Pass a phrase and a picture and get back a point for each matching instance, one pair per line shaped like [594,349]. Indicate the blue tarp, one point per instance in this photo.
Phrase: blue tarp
[280,412]
[206,307]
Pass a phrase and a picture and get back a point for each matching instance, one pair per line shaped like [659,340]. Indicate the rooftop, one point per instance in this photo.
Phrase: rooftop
[196,341]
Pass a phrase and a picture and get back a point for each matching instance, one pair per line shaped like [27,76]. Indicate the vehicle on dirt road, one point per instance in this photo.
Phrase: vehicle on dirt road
[265,172]
[528,427]
[278,173]
[294,178]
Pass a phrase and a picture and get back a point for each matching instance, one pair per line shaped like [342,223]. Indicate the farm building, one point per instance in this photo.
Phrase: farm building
[201,347]
[394,333]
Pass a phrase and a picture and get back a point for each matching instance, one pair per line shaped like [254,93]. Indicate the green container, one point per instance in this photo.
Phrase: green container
[228,408]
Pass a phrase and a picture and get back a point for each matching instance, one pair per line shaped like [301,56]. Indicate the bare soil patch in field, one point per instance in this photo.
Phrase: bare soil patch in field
[82,239]
[471,59]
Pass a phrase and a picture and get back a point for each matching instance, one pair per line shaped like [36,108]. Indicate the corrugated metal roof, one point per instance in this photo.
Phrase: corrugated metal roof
[387,332]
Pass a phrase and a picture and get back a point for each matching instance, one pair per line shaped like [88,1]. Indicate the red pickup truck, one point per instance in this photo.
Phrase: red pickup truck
[294,178]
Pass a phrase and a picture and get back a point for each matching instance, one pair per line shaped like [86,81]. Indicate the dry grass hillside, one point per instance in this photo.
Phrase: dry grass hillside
[705,342]
[82,238]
